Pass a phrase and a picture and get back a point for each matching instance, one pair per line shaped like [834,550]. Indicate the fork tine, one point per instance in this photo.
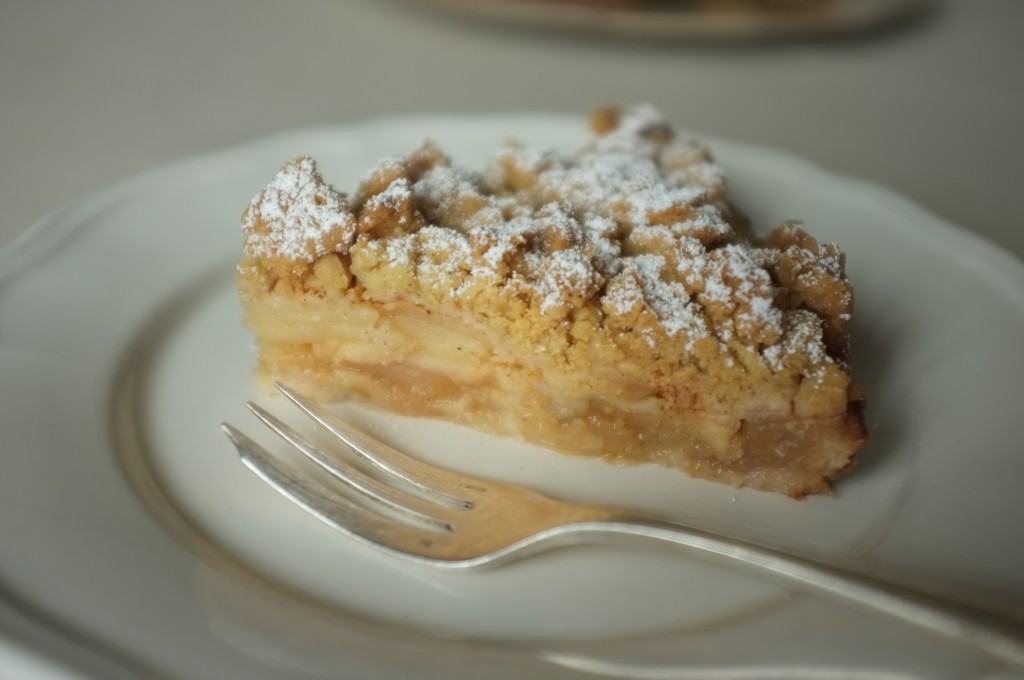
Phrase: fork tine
[428,479]
[411,506]
[335,510]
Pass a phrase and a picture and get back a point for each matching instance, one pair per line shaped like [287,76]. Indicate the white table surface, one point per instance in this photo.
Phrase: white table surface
[95,92]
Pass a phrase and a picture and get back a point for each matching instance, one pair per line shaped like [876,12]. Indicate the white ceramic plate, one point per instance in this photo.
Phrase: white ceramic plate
[660,20]
[135,545]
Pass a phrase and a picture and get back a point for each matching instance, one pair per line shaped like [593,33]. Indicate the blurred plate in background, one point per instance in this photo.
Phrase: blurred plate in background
[690,19]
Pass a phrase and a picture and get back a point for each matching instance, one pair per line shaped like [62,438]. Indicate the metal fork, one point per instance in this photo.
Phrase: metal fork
[439,518]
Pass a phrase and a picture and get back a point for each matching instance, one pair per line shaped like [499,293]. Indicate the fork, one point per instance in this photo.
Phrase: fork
[443,519]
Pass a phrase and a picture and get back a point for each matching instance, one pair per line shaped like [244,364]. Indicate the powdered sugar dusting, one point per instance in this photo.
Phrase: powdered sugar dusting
[802,343]
[634,224]
[392,198]
[297,216]
[667,299]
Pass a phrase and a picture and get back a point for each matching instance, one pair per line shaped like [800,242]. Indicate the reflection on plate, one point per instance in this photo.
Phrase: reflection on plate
[668,19]
[121,352]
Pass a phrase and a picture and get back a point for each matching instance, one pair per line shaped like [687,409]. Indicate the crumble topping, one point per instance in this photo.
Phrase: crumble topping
[632,235]
[298,216]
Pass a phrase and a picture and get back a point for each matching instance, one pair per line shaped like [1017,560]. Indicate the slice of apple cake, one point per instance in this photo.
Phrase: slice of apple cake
[612,303]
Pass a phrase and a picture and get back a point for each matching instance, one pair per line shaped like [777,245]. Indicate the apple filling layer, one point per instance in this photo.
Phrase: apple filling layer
[611,304]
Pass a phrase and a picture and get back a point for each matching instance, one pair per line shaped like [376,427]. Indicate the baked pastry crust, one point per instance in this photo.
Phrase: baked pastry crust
[610,304]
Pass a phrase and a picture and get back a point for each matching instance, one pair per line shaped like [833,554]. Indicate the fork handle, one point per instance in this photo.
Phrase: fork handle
[998,635]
